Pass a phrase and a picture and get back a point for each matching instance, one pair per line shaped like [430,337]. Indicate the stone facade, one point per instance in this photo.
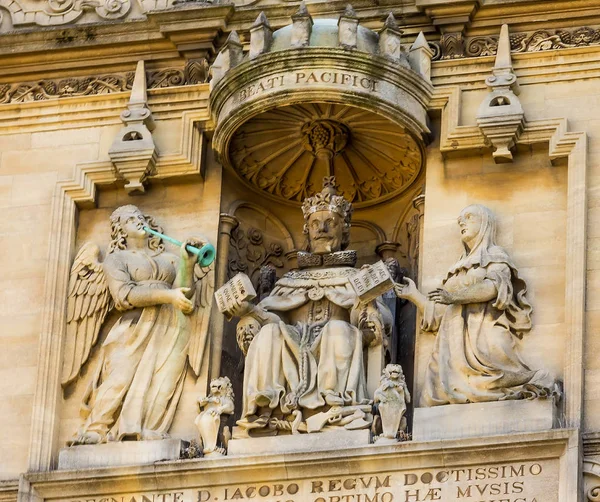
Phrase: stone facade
[219,119]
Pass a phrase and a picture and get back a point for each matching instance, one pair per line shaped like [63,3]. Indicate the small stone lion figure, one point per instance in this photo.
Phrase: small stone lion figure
[218,402]
[391,396]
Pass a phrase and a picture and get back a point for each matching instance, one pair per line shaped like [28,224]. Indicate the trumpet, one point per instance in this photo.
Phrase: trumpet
[206,254]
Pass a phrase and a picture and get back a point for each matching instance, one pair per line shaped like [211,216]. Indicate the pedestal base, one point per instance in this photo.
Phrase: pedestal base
[331,440]
[456,421]
[119,453]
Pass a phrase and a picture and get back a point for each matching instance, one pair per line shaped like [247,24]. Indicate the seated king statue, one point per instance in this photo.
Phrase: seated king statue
[305,342]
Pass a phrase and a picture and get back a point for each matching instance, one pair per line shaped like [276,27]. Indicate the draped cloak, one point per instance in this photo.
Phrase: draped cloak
[140,374]
[475,356]
[315,350]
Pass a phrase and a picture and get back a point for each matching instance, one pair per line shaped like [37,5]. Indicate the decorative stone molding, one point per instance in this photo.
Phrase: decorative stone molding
[289,116]
[501,117]
[537,41]
[59,12]
[133,151]
[195,72]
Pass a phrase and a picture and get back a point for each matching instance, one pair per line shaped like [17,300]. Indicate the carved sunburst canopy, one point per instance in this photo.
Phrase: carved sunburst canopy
[286,151]
[320,98]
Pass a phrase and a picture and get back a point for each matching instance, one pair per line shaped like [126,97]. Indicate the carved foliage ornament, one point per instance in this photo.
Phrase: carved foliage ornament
[540,40]
[251,254]
[195,72]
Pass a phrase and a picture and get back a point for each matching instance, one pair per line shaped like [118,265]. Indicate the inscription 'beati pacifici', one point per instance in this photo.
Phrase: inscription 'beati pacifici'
[340,78]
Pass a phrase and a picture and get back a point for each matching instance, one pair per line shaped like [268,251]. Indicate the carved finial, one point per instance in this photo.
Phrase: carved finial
[302,11]
[501,117]
[420,42]
[503,59]
[261,36]
[233,38]
[390,22]
[389,40]
[420,55]
[133,152]
[231,52]
[261,20]
[302,23]
[138,89]
[348,28]
[349,12]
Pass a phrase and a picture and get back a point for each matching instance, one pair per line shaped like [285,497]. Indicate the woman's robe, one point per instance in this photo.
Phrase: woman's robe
[475,356]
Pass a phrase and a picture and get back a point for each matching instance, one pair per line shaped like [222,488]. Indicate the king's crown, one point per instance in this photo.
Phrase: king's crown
[328,200]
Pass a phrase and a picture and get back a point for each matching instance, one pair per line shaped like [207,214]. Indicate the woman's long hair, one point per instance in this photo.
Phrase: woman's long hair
[118,236]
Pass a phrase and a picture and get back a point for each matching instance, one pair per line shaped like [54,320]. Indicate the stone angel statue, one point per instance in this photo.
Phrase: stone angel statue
[164,303]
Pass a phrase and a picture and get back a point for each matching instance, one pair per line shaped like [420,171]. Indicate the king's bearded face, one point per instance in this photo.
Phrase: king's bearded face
[325,232]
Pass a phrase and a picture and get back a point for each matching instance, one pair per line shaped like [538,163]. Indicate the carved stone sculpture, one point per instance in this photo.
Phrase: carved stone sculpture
[478,313]
[164,301]
[304,342]
[391,398]
[219,402]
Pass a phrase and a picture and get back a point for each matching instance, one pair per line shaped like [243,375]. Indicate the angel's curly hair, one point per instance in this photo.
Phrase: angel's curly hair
[118,236]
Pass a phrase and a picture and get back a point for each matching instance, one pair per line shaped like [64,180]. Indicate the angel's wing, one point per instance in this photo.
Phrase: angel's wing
[203,299]
[87,305]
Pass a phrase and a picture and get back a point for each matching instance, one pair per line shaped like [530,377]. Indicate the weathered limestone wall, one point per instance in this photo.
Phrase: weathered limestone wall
[45,145]
[30,165]
[529,199]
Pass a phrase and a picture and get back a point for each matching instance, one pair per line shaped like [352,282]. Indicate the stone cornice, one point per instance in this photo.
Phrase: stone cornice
[304,465]
[190,30]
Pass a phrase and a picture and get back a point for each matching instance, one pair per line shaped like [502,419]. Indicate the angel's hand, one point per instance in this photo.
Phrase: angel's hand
[180,301]
[187,257]
[440,295]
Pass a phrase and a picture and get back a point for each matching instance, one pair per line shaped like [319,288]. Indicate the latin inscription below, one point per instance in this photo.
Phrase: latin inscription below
[519,482]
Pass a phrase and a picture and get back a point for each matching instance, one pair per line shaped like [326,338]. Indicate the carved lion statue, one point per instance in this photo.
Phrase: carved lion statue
[391,396]
[218,402]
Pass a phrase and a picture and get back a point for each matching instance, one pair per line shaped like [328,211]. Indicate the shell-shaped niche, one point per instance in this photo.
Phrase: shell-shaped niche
[285,153]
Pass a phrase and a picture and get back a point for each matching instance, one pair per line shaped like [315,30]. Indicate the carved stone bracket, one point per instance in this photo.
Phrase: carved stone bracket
[133,151]
[501,117]
[591,478]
